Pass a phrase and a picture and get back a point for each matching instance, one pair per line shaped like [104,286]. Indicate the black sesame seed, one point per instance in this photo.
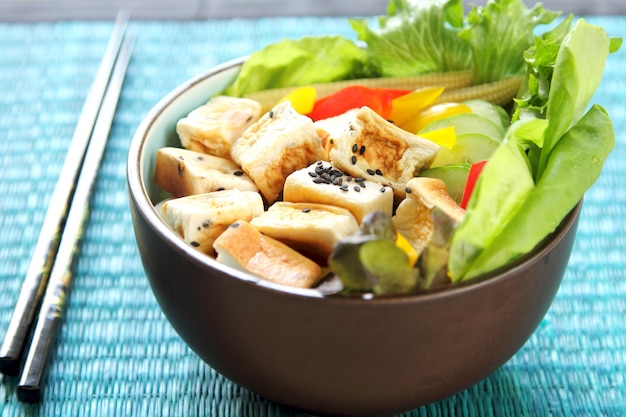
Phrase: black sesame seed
[271,114]
[206,224]
[220,189]
[312,174]
[306,210]
[349,178]
[181,169]
[319,163]
[318,180]
[382,189]
[200,158]
[371,171]
[362,150]
[408,190]
[359,179]
[353,160]
[357,188]
[379,172]
[344,188]
[355,148]
[182,158]
[195,244]
[233,225]
[238,173]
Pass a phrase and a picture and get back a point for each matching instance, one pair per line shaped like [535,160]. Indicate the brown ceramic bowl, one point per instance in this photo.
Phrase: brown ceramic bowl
[331,355]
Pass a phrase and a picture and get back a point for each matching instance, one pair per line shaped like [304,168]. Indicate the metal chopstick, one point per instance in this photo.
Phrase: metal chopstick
[53,304]
[36,278]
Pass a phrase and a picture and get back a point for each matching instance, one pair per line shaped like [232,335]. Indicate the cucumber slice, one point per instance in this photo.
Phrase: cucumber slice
[474,147]
[454,176]
[493,112]
[468,123]
[469,148]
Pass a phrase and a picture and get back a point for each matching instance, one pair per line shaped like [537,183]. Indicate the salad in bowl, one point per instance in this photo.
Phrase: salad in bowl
[437,148]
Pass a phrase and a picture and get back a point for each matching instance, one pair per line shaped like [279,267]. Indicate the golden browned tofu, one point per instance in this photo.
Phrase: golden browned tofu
[243,247]
[376,149]
[309,228]
[213,127]
[281,142]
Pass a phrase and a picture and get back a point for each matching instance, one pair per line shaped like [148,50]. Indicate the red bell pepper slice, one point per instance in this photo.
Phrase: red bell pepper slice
[356,96]
[475,170]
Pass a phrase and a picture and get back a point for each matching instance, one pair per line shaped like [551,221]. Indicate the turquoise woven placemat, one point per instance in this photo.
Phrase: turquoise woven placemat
[117,354]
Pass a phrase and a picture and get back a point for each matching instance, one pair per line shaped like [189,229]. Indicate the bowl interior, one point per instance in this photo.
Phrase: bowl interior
[159,129]
[160,124]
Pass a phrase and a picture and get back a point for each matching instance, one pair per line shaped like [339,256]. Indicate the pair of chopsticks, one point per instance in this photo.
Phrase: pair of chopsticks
[50,272]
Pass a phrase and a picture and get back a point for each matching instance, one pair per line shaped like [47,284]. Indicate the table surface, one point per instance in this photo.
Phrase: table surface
[117,354]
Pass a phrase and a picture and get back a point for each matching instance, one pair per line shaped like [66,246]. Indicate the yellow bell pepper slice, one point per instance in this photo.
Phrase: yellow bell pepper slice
[432,113]
[405,107]
[302,99]
[443,137]
[406,247]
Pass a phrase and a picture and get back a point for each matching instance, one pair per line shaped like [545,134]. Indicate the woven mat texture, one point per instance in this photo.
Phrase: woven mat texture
[118,356]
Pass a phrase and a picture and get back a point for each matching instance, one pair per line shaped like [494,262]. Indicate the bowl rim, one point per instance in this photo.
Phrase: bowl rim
[140,198]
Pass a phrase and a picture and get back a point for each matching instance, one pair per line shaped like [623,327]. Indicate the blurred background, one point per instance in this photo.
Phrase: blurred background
[50,10]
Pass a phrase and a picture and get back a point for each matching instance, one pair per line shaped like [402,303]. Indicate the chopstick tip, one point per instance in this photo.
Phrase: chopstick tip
[9,366]
[28,393]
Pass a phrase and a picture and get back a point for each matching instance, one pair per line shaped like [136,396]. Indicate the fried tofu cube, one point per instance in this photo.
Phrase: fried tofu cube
[243,247]
[322,183]
[182,172]
[213,127]
[376,149]
[310,228]
[199,219]
[279,143]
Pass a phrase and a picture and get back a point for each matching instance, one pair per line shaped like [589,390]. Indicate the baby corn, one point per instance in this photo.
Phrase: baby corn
[499,92]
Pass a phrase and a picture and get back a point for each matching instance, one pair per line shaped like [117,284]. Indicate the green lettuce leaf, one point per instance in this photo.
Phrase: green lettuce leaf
[415,37]
[371,261]
[433,261]
[549,159]
[292,63]
[386,261]
[504,184]
[532,98]
[574,165]
[577,73]
[499,33]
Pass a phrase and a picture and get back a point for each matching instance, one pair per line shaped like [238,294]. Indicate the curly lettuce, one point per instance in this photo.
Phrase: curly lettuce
[416,37]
